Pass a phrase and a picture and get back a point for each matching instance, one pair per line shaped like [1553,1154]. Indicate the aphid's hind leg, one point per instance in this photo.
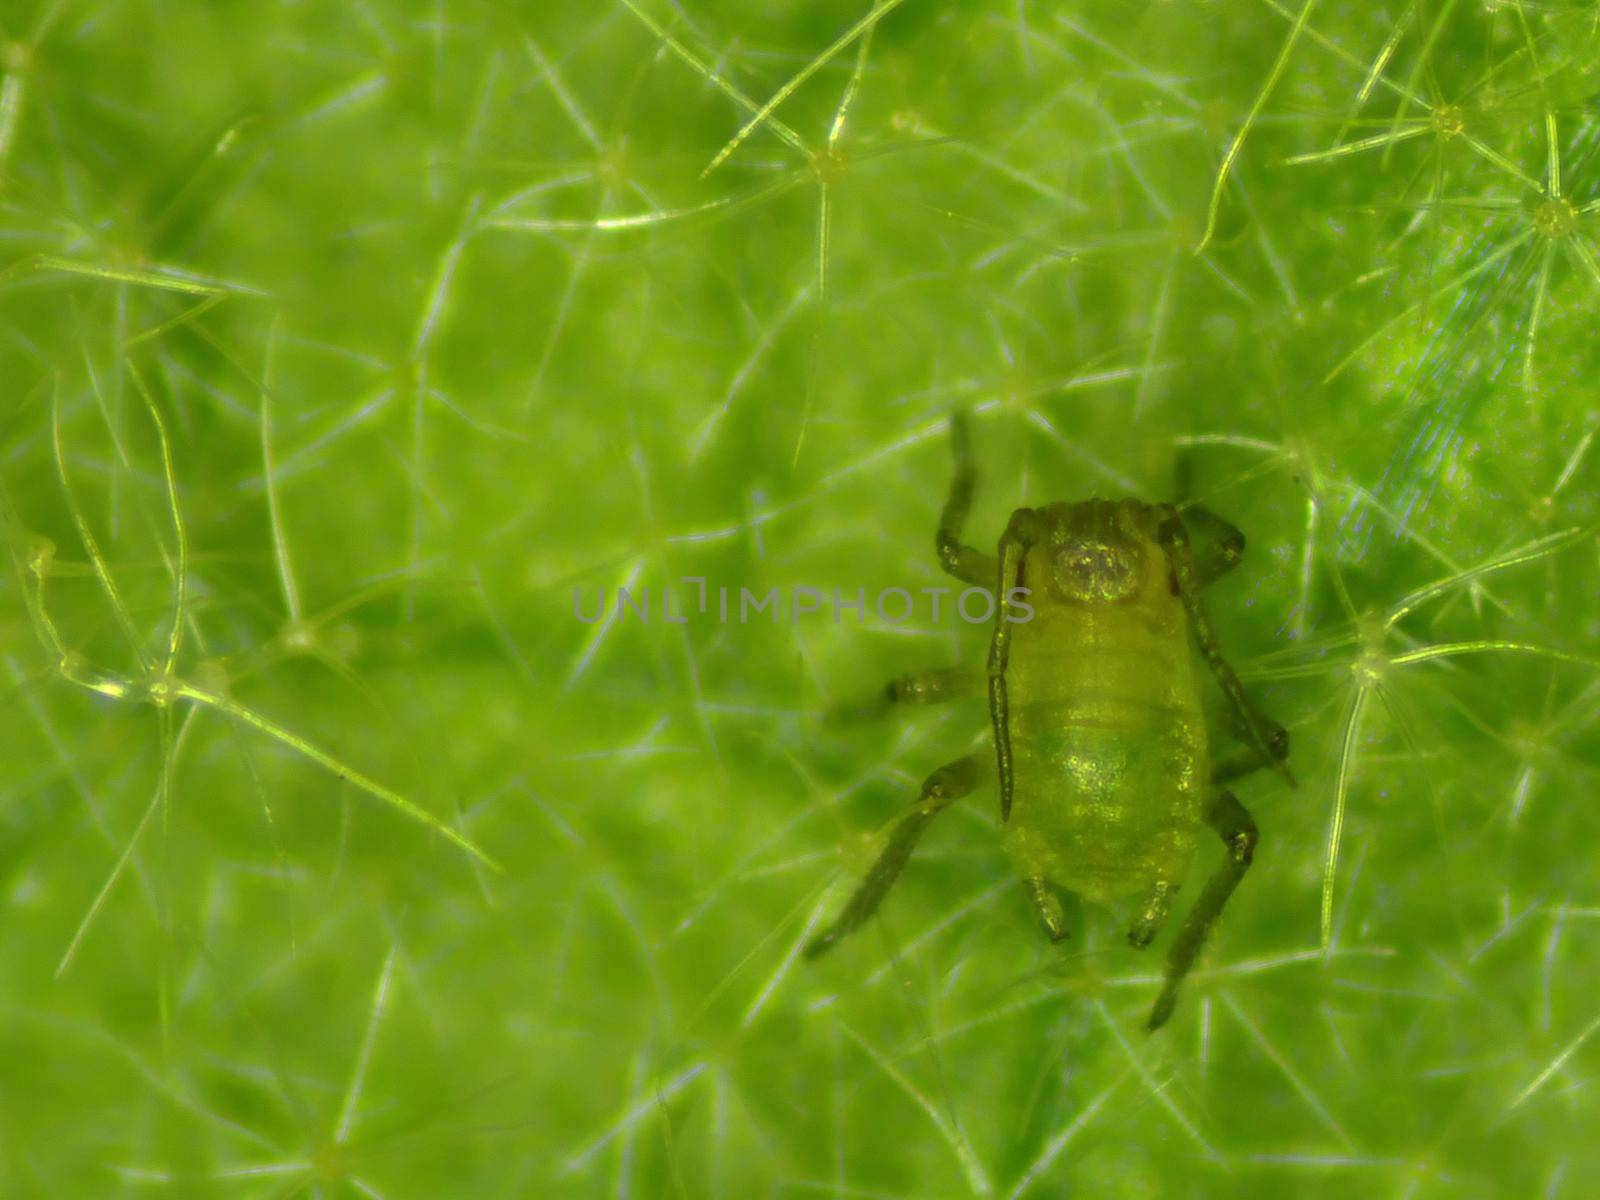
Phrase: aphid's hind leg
[1238,832]
[957,558]
[1267,739]
[1048,905]
[1154,914]
[945,786]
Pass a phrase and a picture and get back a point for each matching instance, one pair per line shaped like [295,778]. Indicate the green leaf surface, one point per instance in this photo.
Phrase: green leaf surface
[352,354]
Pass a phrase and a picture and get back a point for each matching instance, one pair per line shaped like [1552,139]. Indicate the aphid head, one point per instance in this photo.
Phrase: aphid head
[1095,552]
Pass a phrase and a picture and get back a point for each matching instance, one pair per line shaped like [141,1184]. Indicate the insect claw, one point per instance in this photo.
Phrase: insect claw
[1277,741]
[1162,1010]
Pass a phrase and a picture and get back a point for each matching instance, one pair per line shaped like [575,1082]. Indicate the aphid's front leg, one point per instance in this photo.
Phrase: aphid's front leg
[957,558]
[945,786]
[1238,832]
[1221,546]
[1021,532]
[1154,914]
[1260,734]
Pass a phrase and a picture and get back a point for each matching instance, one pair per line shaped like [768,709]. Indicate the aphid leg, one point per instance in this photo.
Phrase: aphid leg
[1021,532]
[1221,547]
[935,685]
[945,786]
[1255,729]
[1250,759]
[1238,832]
[1154,914]
[962,561]
[1049,906]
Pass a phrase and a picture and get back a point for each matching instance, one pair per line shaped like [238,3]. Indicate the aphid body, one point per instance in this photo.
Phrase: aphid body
[1108,739]
[1100,737]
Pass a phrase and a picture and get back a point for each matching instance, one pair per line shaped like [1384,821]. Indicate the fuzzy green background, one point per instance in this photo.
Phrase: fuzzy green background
[340,343]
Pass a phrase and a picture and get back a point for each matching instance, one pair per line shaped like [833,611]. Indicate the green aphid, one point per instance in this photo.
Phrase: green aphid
[1106,780]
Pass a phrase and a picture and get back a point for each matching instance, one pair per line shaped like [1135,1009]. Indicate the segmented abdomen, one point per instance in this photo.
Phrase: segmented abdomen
[1106,791]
